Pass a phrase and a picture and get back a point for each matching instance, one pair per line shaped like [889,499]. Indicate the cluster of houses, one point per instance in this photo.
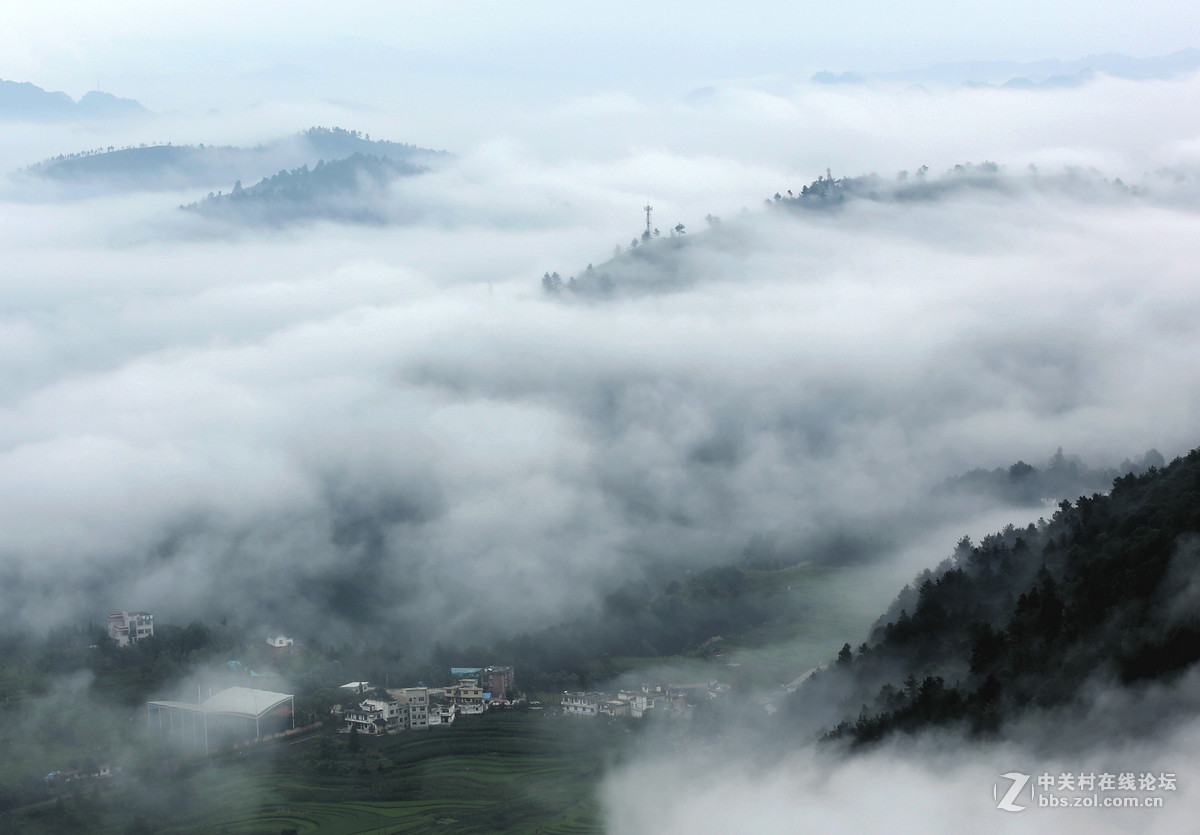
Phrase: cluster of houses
[418,708]
[674,700]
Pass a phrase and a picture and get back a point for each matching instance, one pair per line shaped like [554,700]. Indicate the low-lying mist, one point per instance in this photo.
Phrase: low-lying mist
[340,425]
[931,783]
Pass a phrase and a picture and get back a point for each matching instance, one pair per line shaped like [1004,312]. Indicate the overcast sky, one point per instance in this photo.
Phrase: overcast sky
[671,46]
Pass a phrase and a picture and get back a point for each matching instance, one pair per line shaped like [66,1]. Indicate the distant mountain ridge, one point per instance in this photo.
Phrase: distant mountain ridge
[166,167]
[1043,74]
[22,101]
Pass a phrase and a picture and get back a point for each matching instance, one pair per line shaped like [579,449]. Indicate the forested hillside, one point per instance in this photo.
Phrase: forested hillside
[654,262]
[152,167]
[1104,592]
[344,190]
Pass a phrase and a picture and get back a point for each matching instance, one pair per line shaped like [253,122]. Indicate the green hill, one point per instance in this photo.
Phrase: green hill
[348,190]
[166,167]
[1029,617]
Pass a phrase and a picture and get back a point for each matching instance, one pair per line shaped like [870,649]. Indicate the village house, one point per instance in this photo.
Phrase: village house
[390,710]
[414,702]
[130,627]
[614,707]
[281,645]
[443,715]
[581,704]
[365,721]
[639,702]
[499,681]
[467,693]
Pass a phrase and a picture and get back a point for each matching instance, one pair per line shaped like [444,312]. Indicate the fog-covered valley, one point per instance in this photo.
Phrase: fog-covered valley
[320,381]
[402,410]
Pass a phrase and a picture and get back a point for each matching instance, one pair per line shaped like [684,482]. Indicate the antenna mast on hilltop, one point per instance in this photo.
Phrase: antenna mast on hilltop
[649,209]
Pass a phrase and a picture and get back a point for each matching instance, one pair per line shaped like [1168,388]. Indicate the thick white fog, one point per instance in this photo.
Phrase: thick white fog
[926,786]
[378,423]
[934,783]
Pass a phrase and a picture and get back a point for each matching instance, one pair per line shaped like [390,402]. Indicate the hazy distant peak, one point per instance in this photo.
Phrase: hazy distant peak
[21,101]
[838,78]
[99,103]
[1044,74]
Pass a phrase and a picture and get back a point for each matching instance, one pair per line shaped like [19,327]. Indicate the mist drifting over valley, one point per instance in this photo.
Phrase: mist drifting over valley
[367,415]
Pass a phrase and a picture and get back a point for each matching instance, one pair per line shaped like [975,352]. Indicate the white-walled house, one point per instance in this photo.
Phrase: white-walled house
[391,710]
[130,627]
[415,703]
[366,721]
[444,714]
[581,704]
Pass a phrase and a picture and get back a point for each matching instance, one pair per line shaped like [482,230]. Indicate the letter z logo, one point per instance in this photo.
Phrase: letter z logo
[1019,782]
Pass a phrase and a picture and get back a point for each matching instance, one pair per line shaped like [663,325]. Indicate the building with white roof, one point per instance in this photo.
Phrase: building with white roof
[224,717]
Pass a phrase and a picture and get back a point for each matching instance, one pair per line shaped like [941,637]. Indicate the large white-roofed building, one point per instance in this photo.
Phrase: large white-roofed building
[236,714]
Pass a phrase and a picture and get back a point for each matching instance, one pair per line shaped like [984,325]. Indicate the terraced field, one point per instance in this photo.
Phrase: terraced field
[495,773]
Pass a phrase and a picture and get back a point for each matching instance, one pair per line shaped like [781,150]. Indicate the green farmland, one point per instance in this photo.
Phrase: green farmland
[826,607]
[520,771]
[516,772]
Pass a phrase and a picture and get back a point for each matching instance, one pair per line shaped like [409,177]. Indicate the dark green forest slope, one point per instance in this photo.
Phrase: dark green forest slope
[1105,592]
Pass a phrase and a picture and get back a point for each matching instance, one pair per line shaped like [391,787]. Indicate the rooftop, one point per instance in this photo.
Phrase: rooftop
[235,701]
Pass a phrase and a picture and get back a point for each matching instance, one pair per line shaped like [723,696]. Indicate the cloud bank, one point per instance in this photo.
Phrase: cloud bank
[343,426]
